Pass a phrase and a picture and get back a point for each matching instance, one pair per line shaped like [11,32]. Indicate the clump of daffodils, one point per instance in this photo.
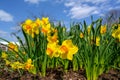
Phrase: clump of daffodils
[28,65]
[64,51]
[33,27]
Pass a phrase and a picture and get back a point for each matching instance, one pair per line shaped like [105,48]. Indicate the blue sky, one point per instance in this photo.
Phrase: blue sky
[12,12]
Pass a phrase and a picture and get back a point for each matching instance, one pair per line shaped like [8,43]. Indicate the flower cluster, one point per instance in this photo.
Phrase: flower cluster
[64,51]
[33,27]
[28,65]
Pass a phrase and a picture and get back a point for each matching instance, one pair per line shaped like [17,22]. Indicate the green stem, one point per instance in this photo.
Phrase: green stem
[66,65]
[44,66]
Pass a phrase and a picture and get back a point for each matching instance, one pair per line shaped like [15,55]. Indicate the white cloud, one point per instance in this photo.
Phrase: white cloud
[94,1]
[82,11]
[3,33]
[59,1]
[79,9]
[69,4]
[65,11]
[34,1]
[16,28]
[4,16]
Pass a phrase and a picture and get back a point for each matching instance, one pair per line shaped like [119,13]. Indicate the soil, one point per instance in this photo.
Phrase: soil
[57,74]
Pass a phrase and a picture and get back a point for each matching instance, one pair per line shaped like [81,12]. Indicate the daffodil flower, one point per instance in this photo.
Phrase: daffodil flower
[52,50]
[12,47]
[67,50]
[103,29]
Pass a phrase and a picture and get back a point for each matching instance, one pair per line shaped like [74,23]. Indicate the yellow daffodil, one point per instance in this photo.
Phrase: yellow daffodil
[4,55]
[27,27]
[116,34]
[52,50]
[17,65]
[35,28]
[103,29]
[52,39]
[45,25]
[45,21]
[28,64]
[46,28]
[81,35]
[7,62]
[88,29]
[67,49]
[54,30]
[38,22]
[31,27]
[118,25]
[12,47]
[97,41]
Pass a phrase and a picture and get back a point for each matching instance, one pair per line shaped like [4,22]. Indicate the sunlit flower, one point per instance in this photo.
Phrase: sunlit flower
[17,65]
[54,30]
[81,35]
[28,64]
[116,33]
[4,55]
[7,62]
[45,24]
[88,29]
[38,22]
[52,50]
[12,47]
[53,38]
[45,21]
[103,29]
[31,27]
[67,49]
[97,41]
[27,26]
[35,28]
[46,28]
